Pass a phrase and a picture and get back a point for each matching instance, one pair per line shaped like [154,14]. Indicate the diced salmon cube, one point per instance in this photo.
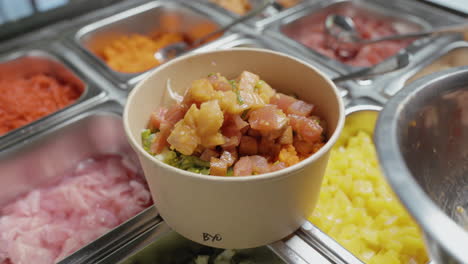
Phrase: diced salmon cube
[218,167]
[248,146]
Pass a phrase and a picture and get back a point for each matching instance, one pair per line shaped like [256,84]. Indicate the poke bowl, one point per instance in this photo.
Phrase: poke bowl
[236,206]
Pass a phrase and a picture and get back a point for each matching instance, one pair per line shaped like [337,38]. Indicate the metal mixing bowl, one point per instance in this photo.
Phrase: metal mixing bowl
[422,143]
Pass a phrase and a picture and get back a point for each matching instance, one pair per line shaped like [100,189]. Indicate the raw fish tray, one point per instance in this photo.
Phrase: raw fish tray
[407,16]
[91,126]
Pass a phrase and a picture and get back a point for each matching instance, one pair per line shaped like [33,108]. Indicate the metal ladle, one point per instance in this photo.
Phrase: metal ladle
[176,49]
[342,28]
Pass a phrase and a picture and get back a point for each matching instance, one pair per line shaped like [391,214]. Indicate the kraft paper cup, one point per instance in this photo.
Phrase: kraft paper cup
[235,212]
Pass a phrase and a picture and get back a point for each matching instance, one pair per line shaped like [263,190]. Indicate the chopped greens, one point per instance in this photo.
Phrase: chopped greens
[233,84]
[211,74]
[235,88]
[174,158]
[147,139]
[188,163]
[258,85]
[245,113]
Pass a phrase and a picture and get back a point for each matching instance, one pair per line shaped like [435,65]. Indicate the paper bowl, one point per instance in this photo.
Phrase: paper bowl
[235,212]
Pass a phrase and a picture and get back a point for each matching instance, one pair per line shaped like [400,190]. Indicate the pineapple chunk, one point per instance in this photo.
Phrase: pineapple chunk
[198,129]
[211,119]
[201,90]
[359,210]
[228,102]
[183,138]
[264,91]
[247,81]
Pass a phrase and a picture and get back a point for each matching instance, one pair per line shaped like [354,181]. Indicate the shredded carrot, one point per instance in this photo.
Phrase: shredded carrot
[23,101]
[134,53]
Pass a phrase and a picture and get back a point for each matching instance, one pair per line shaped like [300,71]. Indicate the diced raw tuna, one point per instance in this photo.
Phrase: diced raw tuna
[278,166]
[259,164]
[282,101]
[50,223]
[287,137]
[229,156]
[248,146]
[243,167]
[218,167]
[160,141]
[308,130]
[220,83]
[267,119]
[157,117]
[207,154]
[300,108]
[268,147]
[250,165]
[231,142]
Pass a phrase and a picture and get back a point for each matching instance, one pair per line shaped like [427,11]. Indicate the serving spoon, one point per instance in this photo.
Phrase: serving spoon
[343,29]
[176,49]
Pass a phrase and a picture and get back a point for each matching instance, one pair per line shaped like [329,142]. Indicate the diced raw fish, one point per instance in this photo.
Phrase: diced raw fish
[49,223]
[307,129]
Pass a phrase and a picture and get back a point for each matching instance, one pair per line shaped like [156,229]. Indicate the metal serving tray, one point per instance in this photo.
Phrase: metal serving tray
[142,20]
[149,240]
[393,82]
[48,155]
[157,243]
[45,60]
[411,13]
[272,11]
